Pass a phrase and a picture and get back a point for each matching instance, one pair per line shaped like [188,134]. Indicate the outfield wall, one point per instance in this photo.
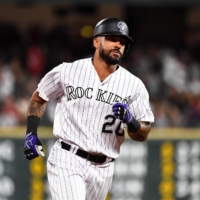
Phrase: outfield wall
[165,167]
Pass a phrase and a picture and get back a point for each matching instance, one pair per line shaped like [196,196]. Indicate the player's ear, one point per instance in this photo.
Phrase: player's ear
[96,42]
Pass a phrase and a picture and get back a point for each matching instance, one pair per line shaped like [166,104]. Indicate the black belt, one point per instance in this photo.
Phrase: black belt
[86,155]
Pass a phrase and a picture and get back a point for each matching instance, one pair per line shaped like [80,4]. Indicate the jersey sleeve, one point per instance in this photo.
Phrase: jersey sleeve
[50,86]
[140,106]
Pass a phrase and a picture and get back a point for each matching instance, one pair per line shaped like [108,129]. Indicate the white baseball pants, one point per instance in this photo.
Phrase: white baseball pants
[74,178]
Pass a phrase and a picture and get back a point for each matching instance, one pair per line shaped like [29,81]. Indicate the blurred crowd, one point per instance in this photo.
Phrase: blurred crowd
[172,76]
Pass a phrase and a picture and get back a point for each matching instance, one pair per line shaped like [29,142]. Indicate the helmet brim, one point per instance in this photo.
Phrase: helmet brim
[128,39]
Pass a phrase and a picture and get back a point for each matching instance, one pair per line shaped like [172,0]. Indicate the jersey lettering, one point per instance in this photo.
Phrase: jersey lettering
[102,95]
[125,101]
[78,92]
[70,93]
[88,93]
[117,98]
[109,98]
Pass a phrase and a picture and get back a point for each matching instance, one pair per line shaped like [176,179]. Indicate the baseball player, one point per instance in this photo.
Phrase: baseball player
[96,100]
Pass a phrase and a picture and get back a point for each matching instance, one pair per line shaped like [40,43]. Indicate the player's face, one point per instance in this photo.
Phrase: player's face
[111,49]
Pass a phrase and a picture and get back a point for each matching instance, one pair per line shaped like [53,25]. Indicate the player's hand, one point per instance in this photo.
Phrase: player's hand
[121,111]
[32,146]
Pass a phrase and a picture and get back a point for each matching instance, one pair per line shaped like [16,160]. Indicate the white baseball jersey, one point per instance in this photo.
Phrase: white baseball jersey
[83,114]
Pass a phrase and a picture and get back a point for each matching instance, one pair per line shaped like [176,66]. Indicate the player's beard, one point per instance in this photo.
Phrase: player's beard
[106,56]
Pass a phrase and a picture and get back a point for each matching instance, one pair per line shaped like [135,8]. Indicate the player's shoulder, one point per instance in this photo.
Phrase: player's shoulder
[76,63]
[70,66]
[129,75]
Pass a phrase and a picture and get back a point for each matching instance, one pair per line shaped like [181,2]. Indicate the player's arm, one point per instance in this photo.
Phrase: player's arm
[137,130]
[37,105]
[141,134]
[36,109]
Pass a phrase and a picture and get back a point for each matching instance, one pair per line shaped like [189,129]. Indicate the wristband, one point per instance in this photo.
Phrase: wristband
[133,126]
[32,124]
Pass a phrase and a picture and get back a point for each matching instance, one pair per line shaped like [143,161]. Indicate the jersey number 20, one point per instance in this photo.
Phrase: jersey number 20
[107,125]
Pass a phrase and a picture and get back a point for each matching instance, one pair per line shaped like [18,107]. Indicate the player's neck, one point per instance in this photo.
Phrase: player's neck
[103,69]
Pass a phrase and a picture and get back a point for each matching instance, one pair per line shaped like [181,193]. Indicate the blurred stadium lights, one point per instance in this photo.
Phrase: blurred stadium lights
[87,31]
